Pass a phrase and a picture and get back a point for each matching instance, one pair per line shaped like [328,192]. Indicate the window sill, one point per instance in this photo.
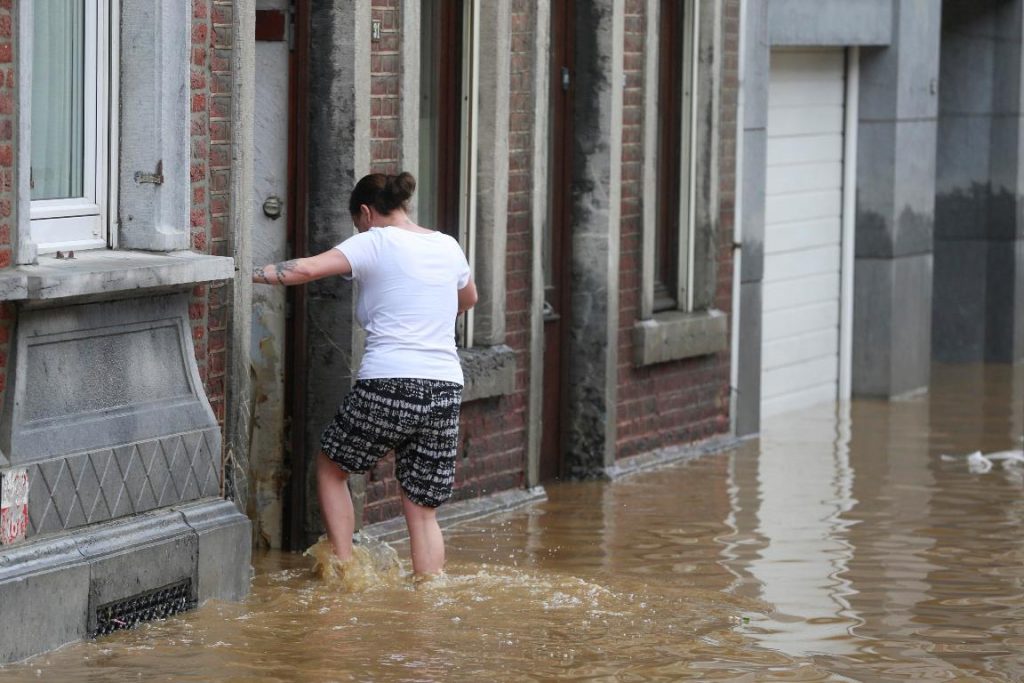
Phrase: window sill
[100,273]
[675,335]
[489,371]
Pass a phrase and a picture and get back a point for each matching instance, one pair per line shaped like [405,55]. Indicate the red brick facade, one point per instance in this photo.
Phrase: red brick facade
[8,191]
[665,404]
[211,179]
[385,86]
[660,405]
[683,401]
[492,456]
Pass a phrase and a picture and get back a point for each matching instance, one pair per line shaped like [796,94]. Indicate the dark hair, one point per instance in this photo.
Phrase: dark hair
[384,193]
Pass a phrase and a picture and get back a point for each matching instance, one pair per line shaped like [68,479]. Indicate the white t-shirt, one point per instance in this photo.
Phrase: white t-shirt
[408,301]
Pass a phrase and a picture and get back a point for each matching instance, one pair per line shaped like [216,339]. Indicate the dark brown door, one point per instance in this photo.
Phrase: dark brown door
[298,451]
[556,239]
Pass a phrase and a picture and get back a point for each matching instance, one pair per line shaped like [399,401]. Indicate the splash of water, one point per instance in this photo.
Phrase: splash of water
[373,564]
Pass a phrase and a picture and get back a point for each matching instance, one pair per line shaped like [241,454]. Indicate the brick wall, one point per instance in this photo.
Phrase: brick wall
[211,173]
[8,193]
[385,86]
[492,453]
[682,401]
[382,493]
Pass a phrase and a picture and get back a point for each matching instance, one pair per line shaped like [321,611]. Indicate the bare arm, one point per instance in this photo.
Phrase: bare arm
[302,270]
[467,296]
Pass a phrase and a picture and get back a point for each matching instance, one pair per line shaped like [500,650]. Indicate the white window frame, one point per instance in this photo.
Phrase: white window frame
[688,163]
[84,223]
[468,162]
[692,327]
[469,138]
[687,218]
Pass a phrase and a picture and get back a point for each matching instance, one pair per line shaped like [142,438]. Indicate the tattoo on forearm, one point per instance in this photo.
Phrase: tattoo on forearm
[285,267]
[261,274]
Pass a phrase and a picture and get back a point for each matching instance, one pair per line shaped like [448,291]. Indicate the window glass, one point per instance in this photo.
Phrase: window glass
[68,123]
[441,142]
[673,243]
[430,77]
[666,245]
[445,196]
[58,99]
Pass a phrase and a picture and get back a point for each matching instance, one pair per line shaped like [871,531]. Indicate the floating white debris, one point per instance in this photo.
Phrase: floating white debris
[978,463]
[1009,458]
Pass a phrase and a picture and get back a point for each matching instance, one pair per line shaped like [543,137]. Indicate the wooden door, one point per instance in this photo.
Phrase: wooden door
[556,239]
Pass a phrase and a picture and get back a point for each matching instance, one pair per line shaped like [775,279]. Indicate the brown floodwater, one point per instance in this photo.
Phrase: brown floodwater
[840,546]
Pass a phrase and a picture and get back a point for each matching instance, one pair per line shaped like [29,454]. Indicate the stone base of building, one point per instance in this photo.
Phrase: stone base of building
[450,514]
[670,455]
[65,587]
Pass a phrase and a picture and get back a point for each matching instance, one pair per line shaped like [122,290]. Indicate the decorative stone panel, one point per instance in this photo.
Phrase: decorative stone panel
[100,375]
[106,484]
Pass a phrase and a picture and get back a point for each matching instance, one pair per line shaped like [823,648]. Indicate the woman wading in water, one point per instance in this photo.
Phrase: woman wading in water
[413,284]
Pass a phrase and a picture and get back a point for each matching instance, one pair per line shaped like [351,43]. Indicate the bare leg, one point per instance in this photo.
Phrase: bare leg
[425,538]
[335,505]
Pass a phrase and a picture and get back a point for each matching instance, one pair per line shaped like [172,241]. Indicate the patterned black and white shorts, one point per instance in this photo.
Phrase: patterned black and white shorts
[418,419]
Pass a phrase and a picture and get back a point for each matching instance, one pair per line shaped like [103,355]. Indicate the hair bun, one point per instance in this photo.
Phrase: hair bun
[402,185]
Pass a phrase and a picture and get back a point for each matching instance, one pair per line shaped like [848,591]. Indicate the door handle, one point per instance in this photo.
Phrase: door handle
[272,206]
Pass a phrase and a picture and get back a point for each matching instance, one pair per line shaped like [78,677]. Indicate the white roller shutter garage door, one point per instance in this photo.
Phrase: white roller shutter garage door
[803,230]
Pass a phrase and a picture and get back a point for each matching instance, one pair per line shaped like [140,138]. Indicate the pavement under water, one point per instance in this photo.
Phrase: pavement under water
[841,545]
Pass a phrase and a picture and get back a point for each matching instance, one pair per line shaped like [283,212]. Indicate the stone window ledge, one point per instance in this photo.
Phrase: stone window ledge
[489,371]
[674,335]
[100,273]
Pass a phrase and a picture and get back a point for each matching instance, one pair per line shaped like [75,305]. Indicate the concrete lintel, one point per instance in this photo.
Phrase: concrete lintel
[676,335]
[830,22]
[101,273]
[489,371]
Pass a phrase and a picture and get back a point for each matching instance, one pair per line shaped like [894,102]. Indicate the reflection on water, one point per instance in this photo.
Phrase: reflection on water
[841,546]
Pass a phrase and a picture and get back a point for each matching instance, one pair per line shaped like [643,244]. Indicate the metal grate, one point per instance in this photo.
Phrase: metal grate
[159,603]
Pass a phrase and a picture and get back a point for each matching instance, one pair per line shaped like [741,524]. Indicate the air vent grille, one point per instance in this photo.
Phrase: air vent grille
[159,603]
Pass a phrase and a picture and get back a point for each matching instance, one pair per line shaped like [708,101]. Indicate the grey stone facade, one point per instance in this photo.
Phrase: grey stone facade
[111,455]
[938,265]
[978,314]
[597,172]
[107,417]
